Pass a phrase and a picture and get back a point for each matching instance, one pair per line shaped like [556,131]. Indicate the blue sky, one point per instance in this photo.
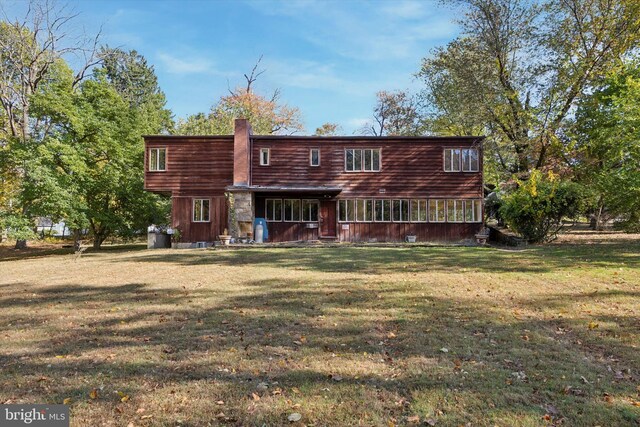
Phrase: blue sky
[329,58]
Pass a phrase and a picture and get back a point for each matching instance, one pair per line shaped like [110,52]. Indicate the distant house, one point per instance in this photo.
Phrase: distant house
[46,227]
[335,188]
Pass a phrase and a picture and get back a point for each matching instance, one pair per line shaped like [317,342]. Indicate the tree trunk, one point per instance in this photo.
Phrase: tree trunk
[97,241]
[21,244]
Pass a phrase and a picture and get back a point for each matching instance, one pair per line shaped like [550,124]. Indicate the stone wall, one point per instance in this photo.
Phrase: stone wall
[241,213]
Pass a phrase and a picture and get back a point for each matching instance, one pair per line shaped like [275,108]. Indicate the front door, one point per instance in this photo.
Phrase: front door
[327,218]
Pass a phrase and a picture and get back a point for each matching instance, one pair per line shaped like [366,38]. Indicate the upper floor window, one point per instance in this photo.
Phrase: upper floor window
[357,160]
[265,156]
[157,159]
[314,157]
[201,210]
[461,159]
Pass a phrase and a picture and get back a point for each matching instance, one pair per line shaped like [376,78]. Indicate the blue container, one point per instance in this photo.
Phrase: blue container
[265,231]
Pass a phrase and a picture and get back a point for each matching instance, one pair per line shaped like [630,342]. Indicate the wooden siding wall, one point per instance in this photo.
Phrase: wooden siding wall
[195,166]
[408,168]
[396,232]
[182,211]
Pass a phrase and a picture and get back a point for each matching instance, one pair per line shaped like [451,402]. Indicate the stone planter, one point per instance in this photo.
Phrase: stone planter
[225,239]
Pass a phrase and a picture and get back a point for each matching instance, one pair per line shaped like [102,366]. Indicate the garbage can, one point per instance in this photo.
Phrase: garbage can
[265,231]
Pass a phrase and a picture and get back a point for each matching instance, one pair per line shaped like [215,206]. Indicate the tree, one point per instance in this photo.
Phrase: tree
[31,54]
[519,69]
[607,142]
[118,105]
[536,207]
[328,129]
[266,114]
[395,114]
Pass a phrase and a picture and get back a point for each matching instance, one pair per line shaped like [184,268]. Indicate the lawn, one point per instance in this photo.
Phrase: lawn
[341,336]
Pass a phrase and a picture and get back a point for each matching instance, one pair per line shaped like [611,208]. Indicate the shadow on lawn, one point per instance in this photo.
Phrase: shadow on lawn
[236,340]
[376,260]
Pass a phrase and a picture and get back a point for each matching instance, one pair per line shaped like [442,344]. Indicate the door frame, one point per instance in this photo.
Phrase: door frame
[325,203]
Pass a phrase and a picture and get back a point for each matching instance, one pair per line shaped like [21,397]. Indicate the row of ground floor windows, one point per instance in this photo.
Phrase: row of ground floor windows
[409,210]
[378,210]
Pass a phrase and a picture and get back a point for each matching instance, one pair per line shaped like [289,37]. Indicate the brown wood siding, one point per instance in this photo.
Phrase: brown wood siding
[182,211]
[198,166]
[290,232]
[408,168]
[396,232]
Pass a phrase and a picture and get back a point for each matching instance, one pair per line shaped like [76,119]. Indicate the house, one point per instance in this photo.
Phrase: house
[335,188]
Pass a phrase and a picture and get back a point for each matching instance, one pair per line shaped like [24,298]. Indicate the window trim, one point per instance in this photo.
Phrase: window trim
[157,149]
[426,210]
[461,162]
[266,210]
[268,151]
[455,210]
[310,201]
[478,212]
[193,210]
[284,210]
[362,150]
[311,150]
[438,220]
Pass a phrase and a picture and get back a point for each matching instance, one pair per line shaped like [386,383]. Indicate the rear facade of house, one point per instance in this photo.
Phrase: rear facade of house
[347,189]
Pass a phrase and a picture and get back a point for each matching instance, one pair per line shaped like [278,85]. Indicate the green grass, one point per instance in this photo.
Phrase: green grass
[344,336]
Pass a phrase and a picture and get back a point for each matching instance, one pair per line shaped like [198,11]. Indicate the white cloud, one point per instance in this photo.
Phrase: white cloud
[357,122]
[177,65]
[379,31]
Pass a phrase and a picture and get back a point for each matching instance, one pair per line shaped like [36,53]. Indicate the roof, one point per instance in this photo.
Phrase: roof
[282,138]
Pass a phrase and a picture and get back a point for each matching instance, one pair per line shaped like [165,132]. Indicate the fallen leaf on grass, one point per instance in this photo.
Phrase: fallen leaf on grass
[146,417]
[67,401]
[430,421]
[593,325]
[93,394]
[391,335]
[123,397]
[414,419]
[444,350]
[294,417]
[220,402]
[255,396]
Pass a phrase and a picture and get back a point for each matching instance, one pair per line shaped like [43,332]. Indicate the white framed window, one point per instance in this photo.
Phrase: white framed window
[418,210]
[292,210]
[400,210]
[310,210]
[473,210]
[461,159]
[314,157]
[382,210]
[470,162]
[201,210]
[273,210]
[455,211]
[362,160]
[265,156]
[157,159]
[364,210]
[347,210]
[437,210]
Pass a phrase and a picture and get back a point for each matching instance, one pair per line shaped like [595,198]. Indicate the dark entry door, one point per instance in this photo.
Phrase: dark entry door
[327,218]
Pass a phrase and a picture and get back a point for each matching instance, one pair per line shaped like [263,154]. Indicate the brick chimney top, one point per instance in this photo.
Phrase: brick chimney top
[241,152]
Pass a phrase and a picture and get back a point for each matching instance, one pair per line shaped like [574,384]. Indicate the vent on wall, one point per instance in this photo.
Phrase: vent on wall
[201,244]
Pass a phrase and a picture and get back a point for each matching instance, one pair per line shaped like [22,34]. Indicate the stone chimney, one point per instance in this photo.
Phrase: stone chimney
[241,153]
